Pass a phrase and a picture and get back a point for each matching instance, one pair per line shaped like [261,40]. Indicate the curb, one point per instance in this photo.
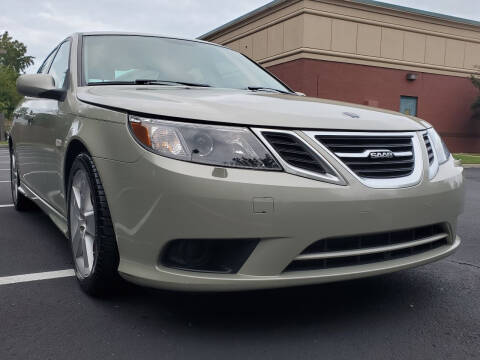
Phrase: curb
[471,166]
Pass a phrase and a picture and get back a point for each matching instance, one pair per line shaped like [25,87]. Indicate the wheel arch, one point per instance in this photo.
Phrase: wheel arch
[74,148]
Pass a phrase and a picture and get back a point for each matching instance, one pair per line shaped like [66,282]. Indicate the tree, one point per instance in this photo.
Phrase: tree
[13,54]
[9,97]
[13,61]
[476,104]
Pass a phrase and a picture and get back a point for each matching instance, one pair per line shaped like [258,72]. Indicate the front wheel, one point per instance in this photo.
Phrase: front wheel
[20,201]
[92,238]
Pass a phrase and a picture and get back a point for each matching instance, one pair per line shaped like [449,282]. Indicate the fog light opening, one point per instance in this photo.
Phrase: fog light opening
[189,254]
[215,256]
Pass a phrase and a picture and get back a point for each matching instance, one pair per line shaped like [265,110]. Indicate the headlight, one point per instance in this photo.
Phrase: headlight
[205,144]
[439,146]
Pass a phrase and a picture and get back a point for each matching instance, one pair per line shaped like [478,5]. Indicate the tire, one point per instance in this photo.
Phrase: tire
[20,201]
[91,233]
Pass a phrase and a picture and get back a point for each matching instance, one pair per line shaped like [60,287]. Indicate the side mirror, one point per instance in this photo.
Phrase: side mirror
[40,86]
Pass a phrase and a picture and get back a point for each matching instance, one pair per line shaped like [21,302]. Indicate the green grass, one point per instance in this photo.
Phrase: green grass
[3,143]
[468,158]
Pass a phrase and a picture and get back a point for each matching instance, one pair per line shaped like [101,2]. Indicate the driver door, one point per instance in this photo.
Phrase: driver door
[51,125]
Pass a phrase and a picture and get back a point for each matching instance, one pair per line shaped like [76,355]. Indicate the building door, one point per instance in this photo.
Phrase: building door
[408,105]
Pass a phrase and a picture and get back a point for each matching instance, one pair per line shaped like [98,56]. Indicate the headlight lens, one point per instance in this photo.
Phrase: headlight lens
[205,144]
[440,147]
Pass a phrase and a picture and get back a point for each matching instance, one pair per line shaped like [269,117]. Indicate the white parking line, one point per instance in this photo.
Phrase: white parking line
[7,280]
[6,206]
[5,181]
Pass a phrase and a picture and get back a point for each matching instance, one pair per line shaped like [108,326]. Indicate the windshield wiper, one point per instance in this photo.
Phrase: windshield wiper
[146,82]
[261,88]
[98,83]
[168,82]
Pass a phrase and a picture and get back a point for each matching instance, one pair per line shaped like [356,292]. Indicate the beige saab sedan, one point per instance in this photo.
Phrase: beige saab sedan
[181,164]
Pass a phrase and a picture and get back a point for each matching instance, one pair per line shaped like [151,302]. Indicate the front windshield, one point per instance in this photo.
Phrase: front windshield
[126,59]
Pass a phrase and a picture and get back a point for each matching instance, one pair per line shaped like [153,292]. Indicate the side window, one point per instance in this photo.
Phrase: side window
[46,64]
[59,66]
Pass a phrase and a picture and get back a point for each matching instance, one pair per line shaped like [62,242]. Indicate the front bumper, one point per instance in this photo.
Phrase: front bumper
[155,200]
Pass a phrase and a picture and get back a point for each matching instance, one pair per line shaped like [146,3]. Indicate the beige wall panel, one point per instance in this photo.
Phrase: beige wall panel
[393,17]
[414,47]
[317,32]
[358,11]
[246,46]
[472,56]
[275,40]
[293,33]
[344,36]
[435,53]
[369,40]
[257,22]
[235,45]
[455,53]
[260,41]
[392,44]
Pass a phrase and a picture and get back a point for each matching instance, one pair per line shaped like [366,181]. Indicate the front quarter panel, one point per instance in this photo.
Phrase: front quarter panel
[105,134]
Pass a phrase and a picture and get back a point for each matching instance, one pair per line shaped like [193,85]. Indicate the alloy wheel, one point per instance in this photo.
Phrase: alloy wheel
[82,224]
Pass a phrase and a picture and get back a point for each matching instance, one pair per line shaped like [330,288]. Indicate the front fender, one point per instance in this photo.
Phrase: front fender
[105,139]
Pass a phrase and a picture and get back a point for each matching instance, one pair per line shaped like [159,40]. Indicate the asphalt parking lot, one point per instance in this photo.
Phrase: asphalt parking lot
[432,312]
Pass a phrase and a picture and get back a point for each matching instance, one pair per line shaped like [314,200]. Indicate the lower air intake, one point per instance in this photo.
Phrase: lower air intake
[372,248]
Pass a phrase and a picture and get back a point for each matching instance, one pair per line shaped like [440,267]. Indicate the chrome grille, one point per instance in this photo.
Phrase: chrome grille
[370,248]
[431,156]
[294,151]
[298,156]
[372,156]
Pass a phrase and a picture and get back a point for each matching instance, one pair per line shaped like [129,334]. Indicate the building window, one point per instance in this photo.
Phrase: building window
[408,105]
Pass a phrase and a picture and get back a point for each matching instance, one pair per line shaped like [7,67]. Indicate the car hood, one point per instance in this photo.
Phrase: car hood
[246,108]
